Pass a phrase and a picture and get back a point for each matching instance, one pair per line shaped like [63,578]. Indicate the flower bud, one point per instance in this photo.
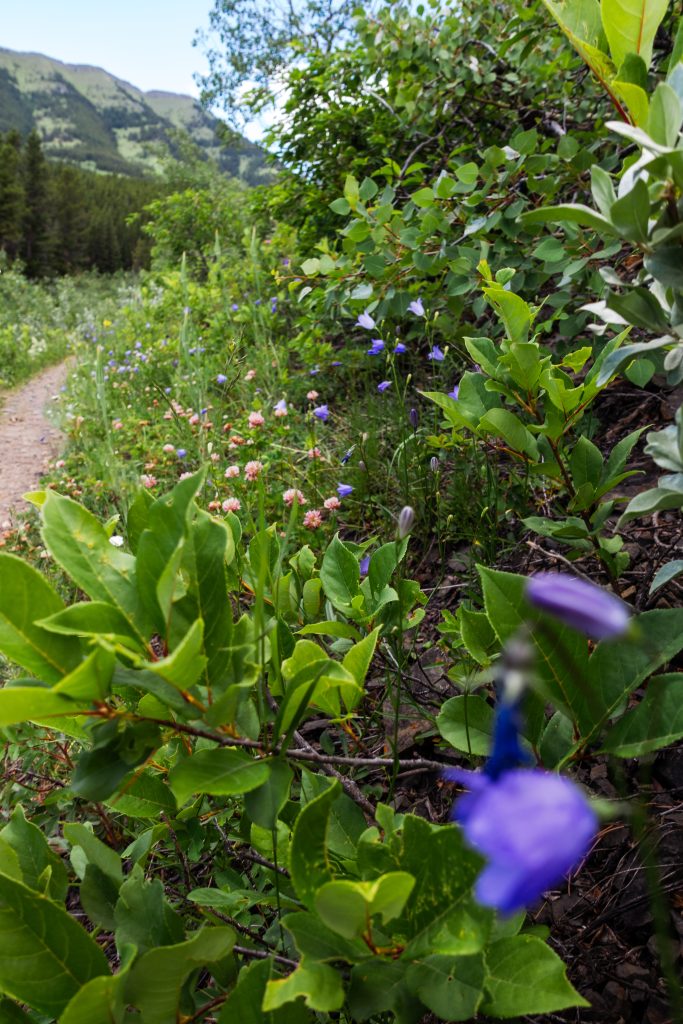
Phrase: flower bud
[434,464]
[406,520]
[414,419]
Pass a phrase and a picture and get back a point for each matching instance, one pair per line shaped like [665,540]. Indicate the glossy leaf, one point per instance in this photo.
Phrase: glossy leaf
[221,772]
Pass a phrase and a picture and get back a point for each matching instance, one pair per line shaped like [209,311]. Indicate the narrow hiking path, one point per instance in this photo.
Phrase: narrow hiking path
[28,440]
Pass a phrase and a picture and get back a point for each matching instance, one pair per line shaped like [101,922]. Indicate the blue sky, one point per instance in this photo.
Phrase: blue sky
[146,42]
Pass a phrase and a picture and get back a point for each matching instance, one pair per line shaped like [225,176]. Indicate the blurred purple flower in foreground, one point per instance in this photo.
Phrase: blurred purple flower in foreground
[581,605]
[416,307]
[454,393]
[532,826]
[376,346]
[321,412]
[365,320]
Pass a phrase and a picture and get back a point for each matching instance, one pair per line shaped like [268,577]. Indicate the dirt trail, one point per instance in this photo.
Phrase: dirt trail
[27,438]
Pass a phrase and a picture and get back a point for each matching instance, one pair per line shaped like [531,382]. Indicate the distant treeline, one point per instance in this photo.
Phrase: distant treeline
[59,219]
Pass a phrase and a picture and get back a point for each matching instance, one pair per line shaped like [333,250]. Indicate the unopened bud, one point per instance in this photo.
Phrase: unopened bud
[405,521]
[414,418]
[434,464]
[362,467]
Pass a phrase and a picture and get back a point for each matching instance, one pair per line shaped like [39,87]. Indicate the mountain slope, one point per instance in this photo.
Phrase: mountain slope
[88,117]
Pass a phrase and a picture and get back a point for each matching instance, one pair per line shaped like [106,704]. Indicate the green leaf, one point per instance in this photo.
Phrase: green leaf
[25,596]
[37,861]
[616,360]
[332,627]
[263,804]
[357,661]
[574,213]
[94,851]
[648,502]
[308,860]
[346,907]
[630,214]
[585,463]
[524,977]
[506,425]
[631,26]
[45,956]
[36,704]
[80,544]
[243,1005]
[144,918]
[318,984]
[209,549]
[378,986]
[666,573]
[656,722]
[156,979]
[316,941]
[466,722]
[100,1001]
[94,619]
[221,772]
[183,667]
[91,681]
[145,796]
[340,574]
[451,987]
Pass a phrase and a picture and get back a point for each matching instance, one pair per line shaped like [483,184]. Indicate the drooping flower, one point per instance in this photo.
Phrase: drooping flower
[332,504]
[376,346]
[406,520]
[281,408]
[221,378]
[400,348]
[436,354]
[256,419]
[253,469]
[181,453]
[384,385]
[291,495]
[232,505]
[343,490]
[532,826]
[416,307]
[365,321]
[231,471]
[414,418]
[321,412]
[313,519]
[579,604]
[454,393]
[346,457]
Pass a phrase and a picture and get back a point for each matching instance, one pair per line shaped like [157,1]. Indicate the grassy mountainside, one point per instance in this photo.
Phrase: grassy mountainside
[88,117]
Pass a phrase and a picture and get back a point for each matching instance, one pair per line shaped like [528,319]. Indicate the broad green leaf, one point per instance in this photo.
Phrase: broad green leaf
[575,213]
[308,859]
[525,976]
[666,573]
[331,627]
[346,907]
[209,548]
[38,862]
[504,424]
[357,661]
[156,979]
[183,667]
[380,985]
[451,987]
[316,941]
[466,722]
[264,803]
[656,722]
[648,502]
[346,823]
[144,918]
[221,772]
[340,574]
[630,214]
[94,619]
[616,669]
[243,1005]
[25,597]
[45,955]
[146,796]
[619,358]
[100,1001]
[319,985]
[631,26]
[93,850]
[91,681]
[37,704]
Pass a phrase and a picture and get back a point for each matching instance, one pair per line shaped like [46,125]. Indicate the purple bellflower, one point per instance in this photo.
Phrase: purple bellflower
[281,407]
[532,826]
[400,348]
[343,490]
[454,393]
[384,385]
[221,378]
[436,354]
[321,412]
[365,321]
[416,307]
[364,565]
[376,346]
[581,605]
